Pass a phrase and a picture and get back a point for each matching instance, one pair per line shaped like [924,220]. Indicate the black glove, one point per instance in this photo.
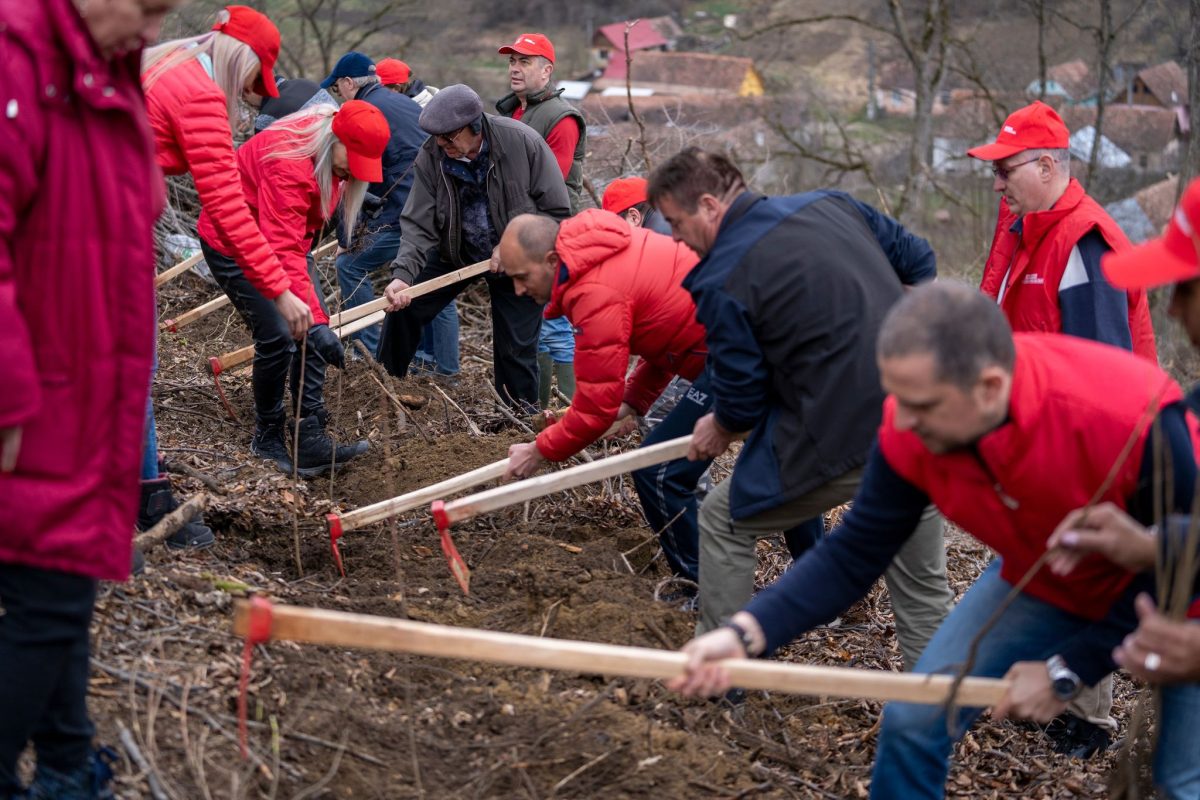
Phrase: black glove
[327,345]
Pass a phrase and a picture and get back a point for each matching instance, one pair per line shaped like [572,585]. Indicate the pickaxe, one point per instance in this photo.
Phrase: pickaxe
[385,509]
[261,621]
[348,322]
[339,524]
[202,311]
[446,514]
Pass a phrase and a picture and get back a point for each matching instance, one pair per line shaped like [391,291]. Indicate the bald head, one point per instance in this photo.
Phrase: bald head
[527,251]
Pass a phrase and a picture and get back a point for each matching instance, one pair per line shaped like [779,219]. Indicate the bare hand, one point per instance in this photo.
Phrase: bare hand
[703,675]
[395,295]
[523,461]
[1031,695]
[628,419]
[1176,644]
[295,313]
[1103,529]
[10,447]
[496,264]
[709,439]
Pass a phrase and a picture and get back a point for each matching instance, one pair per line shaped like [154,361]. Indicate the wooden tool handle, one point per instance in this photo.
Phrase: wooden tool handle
[199,312]
[421,497]
[540,485]
[180,268]
[359,317]
[339,629]
[172,522]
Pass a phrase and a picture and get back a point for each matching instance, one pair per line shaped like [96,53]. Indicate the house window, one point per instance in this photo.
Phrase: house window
[1143,161]
[895,97]
[944,97]
[603,53]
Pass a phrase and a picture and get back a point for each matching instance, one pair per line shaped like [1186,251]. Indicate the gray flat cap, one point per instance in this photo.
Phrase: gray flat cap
[450,109]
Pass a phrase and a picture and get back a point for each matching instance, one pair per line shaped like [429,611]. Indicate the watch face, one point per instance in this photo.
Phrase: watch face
[1065,688]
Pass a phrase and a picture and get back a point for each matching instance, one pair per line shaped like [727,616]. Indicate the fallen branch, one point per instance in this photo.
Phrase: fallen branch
[172,522]
[471,425]
[136,756]
[180,468]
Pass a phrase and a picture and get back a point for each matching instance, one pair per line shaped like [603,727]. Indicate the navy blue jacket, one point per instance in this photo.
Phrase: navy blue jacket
[791,296]
[401,113]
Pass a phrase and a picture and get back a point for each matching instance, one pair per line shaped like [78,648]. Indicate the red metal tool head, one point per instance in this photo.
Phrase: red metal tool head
[458,567]
[335,532]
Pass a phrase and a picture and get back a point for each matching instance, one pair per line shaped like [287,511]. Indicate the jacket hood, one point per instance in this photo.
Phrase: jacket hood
[584,242]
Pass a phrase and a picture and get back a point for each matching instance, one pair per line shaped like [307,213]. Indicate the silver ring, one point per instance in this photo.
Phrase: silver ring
[1153,662]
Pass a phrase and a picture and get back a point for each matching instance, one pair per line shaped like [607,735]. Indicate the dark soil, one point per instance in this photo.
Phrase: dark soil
[331,722]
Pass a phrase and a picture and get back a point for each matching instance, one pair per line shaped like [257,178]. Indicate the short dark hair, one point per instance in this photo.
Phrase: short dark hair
[693,172]
[538,236]
[958,325]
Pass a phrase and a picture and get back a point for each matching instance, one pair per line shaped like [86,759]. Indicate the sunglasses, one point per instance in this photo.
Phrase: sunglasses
[1003,172]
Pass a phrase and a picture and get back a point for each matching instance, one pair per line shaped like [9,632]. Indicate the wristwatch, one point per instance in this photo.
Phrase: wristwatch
[1063,681]
[743,636]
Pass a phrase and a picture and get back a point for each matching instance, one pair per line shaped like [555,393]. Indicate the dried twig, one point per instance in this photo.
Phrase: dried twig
[470,425]
[135,755]
[180,468]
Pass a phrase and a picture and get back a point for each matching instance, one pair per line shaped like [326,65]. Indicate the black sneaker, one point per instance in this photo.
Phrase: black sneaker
[1076,737]
[268,442]
[316,453]
[158,501]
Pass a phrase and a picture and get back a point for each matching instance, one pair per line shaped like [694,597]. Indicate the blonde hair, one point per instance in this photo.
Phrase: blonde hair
[234,62]
[314,140]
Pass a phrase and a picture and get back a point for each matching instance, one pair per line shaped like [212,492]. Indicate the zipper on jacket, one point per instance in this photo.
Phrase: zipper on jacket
[1010,502]
[453,240]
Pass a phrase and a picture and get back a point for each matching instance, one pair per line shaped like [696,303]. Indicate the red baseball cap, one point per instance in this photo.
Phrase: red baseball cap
[1033,127]
[364,130]
[530,44]
[391,71]
[253,28]
[623,194]
[1172,258]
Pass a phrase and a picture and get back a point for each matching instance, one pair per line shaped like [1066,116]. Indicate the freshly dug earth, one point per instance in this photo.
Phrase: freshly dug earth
[327,722]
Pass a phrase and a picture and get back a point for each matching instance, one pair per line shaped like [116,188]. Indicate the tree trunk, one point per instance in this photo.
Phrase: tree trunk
[1190,168]
[1105,37]
[1039,11]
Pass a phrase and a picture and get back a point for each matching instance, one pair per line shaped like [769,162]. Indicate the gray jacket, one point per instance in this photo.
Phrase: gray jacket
[524,178]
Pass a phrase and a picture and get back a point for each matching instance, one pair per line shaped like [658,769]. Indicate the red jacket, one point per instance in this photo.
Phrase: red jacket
[188,114]
[285,204]
[622,289]
[79,193]
[1038,259]
[1074,405]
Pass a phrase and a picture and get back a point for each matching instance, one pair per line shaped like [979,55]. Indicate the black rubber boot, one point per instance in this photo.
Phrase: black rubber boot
[157,502]
[316,453]
[269,443]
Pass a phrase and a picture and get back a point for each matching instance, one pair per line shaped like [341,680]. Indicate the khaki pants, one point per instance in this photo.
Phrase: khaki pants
[916,578]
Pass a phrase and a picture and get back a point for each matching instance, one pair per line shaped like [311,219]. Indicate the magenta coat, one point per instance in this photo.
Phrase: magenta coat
[79,193]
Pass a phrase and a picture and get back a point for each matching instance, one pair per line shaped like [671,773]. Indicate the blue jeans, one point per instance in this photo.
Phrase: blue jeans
[558,339]
[913,757]
[439,342]
[150,442]
[371,251]
[1177,754]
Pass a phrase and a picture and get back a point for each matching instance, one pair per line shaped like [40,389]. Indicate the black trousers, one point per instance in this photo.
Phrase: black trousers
[44,669]
[276,355]
[516,323]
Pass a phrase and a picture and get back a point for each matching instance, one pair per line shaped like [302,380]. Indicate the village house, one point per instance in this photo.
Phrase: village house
[653,34]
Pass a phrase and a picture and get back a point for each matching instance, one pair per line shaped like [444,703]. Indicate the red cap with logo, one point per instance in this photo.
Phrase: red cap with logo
[253,28]
[623,194]
[364,130]
[1171,258]
[391,71]
[530,44]
[1034,127]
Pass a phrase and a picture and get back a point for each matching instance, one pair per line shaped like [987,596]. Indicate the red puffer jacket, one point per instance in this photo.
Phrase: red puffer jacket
[285,204]
[191,132]
[79,193]
[622,289]
[1074,406]
[1036,260]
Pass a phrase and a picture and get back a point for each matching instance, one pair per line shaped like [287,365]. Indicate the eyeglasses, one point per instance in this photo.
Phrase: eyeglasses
[1003,172]
[448,138]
